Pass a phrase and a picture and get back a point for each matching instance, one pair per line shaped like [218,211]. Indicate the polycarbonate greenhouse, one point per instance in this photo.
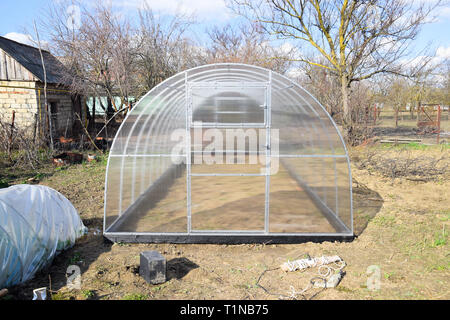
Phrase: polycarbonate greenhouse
[228,153]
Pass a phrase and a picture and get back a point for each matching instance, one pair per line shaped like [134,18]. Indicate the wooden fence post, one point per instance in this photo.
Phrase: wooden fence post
[11,134]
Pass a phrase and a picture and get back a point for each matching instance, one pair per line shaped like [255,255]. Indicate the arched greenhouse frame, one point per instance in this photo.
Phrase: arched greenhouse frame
[228,153]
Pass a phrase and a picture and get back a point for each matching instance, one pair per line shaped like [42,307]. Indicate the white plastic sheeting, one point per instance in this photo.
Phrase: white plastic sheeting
[36,223]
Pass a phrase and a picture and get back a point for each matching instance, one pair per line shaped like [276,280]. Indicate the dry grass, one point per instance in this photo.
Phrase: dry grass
[405,236]
[405,161]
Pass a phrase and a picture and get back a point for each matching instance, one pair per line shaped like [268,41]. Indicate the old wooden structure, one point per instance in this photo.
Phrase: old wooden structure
[22,81]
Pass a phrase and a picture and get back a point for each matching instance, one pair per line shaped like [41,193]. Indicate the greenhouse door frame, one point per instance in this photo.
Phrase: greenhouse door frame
[266,125]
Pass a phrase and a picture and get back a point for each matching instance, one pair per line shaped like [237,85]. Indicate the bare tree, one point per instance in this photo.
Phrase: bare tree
[399,95]
[99,53]
[86,49]
[446,86]
[362,99]
[440,85]
[163,48]
[246,43]
[357,39]
[324,85]
[421,85]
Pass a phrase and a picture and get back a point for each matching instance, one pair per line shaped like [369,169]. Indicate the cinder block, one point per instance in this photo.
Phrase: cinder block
[153,267]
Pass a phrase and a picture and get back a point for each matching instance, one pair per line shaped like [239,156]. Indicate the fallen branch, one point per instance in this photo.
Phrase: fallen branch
[87,133]
[113,116]
[418,179]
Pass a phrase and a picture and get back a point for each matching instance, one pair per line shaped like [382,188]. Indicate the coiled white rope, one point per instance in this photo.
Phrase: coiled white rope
[329,269]
[302,264]
[329,275]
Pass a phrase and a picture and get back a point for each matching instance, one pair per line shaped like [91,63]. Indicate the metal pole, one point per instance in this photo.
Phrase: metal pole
[268,153]
[438,122]
[188,152]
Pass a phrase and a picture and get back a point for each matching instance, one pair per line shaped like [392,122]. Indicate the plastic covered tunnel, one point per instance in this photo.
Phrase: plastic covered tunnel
[228,153]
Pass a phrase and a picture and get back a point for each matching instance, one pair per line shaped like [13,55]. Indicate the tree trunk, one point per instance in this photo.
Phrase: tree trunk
[76,103]
[110,109]
[347,124]
[396,117]
[418,111]
[347,118]
[91,125]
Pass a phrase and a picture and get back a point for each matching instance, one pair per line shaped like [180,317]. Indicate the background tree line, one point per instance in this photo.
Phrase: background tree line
[350,54]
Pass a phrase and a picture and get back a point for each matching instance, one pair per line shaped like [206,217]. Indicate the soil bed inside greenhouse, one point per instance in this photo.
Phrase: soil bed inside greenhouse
[229,203]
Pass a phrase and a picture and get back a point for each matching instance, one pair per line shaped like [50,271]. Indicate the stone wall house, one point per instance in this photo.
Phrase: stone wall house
[22,90]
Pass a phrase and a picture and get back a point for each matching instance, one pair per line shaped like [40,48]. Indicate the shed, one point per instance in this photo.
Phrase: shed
[22,89]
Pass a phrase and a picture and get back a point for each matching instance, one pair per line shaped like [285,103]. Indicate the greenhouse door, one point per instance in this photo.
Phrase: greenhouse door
[228,138]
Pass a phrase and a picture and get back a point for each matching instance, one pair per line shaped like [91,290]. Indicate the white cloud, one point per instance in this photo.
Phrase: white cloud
[445,12]
[26,39]
[288,49]
[295,73]
[20,37]
[443,53]
[442,14]
[203,9]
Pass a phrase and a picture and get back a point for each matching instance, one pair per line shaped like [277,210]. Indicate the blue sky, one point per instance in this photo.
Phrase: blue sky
[18,14]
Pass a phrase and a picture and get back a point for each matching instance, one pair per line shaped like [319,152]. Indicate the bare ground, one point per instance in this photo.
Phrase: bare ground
[401,226]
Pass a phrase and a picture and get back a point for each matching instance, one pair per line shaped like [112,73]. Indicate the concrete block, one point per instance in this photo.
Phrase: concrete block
[152,267]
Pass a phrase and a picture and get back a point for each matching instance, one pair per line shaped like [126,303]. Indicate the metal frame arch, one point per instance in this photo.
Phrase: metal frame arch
[170,111]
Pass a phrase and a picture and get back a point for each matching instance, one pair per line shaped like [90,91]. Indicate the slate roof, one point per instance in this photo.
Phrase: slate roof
[30,58]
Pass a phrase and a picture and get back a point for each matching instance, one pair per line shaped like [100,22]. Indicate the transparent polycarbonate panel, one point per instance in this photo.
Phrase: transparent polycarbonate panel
[234,139]
[119,187]
[146,190]
[291,208]
[314,188]
[227,72]
[295,131]
[118,195]
[229,164]
[344,192]
[318,174]
[228,203]
[112,194]
[149,127]
[162,207]
[228,150]
[153,195]
[236,104]
[304,127]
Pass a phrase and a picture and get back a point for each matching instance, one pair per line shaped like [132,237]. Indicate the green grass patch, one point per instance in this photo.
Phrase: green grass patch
[62,295]
[440,238]
[439,267]
[3,183]
[344,289]
[88,294]
[446,216]
[414,146]
[76,258]
[388,275]
[135,296]
[384,221]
